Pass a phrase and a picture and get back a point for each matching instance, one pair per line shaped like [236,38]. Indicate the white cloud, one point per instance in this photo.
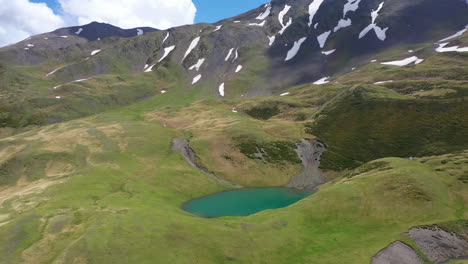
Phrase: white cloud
[160,14]
[20,19]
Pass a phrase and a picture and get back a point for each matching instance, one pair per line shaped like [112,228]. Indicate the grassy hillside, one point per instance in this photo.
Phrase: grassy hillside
[117,191]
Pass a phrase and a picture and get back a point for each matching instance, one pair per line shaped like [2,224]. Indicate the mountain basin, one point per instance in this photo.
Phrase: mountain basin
[243,202]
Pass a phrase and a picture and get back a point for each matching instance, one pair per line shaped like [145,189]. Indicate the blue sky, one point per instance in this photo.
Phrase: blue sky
[207,10]
[214,10]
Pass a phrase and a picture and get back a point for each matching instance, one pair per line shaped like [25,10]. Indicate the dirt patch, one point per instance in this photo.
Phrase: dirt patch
[439,245]
[96,163]
[66,140]
[57,168]
[24,188]
[8,152]
[397,253]
[3,217]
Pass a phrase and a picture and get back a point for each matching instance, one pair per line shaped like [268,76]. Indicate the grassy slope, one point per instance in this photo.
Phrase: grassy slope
[422,112]
[123,203]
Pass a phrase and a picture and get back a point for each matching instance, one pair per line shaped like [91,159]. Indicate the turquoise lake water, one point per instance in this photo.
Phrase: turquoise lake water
[242,202]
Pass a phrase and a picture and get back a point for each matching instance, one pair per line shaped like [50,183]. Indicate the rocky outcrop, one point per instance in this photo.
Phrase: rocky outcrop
[311,177]
[397,253]
[182,145]
[439,245]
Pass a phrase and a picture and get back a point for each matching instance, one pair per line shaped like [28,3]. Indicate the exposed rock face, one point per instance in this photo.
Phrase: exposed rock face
[311,177]
[439,245]
[182,145]
[397,253]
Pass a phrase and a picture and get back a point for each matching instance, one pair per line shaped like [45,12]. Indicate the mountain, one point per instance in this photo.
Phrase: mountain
[363,102]
[34,49]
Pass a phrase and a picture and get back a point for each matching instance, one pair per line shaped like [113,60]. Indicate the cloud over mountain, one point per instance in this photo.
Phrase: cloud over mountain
[159,14]
[22,18]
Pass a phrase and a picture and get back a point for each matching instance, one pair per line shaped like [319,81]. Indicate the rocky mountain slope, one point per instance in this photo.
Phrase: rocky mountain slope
[102,141]
[264,51]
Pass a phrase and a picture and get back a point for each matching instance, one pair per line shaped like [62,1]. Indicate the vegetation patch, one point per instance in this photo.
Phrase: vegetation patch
[377,166]
[32,165]
[271,152]
[263,112]
[362,128]
[268,109]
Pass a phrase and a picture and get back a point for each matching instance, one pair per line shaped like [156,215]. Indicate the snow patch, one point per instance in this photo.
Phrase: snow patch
[351,5]
[381,33]
[322,39]
[94,52]
[442,48]
[229,54]
[30,45]
[150,68]
[234,110]
[58,97]
[163,91]
[459,33]
[328,52]
[382,82]
[258,24]
[79,31]
[221,90]
[196,79]
[140,32]
[46,38]
[324,80]
[237,21]
[271,39]
[286,26]
[343,23]
[281,19]
[295,49]
[410,51]
[166,52]
[236,55]
[404,62]
[265,14]
[64,36]
[239,68]
[313,8]
[284,94]
[193,44]
[373,60]
[316,25]
[165,38]
[52,72]
[79,80]
[197,65]
[217,28]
